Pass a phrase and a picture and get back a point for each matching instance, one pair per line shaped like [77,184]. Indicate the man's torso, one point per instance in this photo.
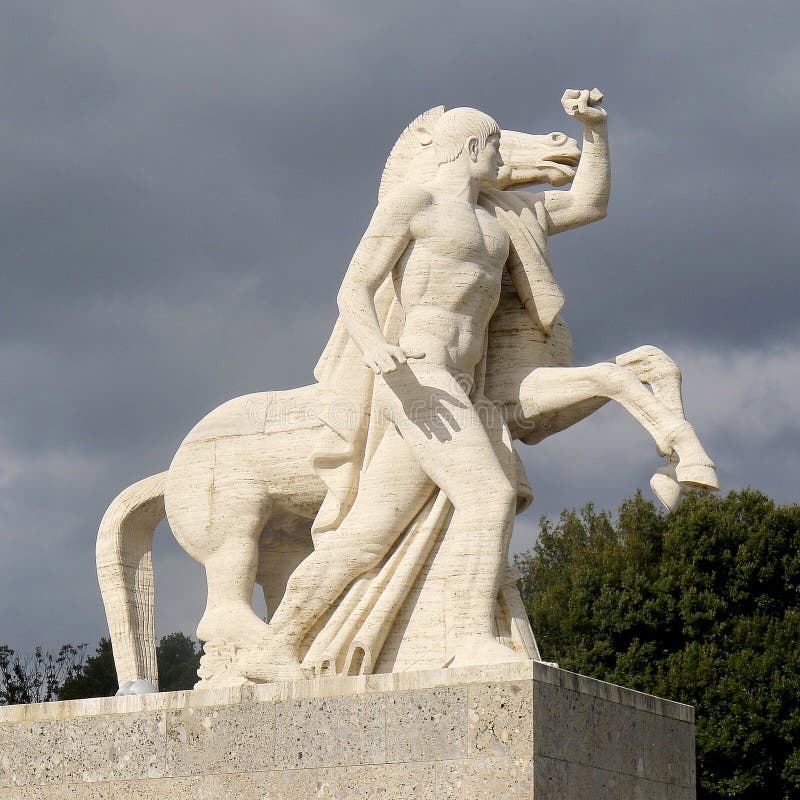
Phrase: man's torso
[448,281]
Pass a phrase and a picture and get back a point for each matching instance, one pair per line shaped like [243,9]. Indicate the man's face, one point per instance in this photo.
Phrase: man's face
[487,160]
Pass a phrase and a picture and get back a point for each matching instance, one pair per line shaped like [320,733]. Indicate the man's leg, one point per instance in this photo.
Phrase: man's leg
[445,432]
[391,491]
[445,443]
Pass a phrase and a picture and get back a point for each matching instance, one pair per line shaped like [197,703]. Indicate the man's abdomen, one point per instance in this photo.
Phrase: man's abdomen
[448,339]
[448,305]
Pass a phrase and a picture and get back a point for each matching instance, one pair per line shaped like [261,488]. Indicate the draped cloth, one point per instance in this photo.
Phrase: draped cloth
[346,385]
[350,435]
[524,218]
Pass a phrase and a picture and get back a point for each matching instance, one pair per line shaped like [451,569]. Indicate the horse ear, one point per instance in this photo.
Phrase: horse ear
[423,134]
[411,143]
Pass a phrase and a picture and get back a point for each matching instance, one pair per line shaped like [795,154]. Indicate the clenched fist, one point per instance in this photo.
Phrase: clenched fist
[584,105]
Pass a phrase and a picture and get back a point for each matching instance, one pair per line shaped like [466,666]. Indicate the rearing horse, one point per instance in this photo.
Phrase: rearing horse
[241,490]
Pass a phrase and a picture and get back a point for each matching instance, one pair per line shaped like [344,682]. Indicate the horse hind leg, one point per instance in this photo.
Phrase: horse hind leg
[284,544]
[238,517]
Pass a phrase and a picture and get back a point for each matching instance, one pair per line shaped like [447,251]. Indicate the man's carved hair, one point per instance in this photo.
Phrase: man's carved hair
[452,130]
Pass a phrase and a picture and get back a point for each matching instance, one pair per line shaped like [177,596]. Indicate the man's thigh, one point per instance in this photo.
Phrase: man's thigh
[391,491]
[443,429]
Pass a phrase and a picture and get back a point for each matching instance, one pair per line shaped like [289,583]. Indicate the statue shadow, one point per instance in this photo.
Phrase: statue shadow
[433,410]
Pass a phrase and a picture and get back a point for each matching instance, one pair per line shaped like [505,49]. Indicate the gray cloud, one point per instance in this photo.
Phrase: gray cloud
[164,163]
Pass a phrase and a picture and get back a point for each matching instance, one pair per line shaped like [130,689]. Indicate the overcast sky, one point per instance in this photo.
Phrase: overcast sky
[183,184]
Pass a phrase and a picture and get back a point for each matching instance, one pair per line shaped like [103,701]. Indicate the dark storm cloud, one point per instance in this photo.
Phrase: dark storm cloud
[184,183]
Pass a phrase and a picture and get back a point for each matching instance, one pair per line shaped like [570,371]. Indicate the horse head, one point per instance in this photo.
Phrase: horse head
[529,158]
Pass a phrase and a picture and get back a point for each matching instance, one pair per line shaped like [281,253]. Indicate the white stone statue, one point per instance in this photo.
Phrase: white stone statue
[375,507]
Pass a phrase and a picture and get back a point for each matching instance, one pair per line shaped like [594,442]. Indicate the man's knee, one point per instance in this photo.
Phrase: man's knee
[494,497]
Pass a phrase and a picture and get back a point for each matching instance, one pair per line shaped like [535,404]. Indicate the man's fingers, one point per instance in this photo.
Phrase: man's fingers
[397,352]
[577,101]
[387,364]
[581,102]
[389,359]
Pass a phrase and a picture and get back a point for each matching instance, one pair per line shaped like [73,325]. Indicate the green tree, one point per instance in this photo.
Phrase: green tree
[98,678]
[178,658]
[702,606]
[69,675]
[37,679]
[177,654]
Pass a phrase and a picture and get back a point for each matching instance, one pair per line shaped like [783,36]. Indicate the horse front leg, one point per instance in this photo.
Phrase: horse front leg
[549,390]
[654,367]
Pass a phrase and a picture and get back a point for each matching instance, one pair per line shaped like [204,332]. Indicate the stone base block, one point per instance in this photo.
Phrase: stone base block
[493,733]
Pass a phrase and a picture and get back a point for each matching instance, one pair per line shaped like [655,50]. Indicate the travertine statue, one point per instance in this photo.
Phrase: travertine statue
[375,507]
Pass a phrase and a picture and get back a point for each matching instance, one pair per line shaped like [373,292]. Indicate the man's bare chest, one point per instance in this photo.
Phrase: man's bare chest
[458,231]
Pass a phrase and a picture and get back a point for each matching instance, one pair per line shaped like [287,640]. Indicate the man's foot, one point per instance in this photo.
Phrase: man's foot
[218,667]
[274,662]
[481,651]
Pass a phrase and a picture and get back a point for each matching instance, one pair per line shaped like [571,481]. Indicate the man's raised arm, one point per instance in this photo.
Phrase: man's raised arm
[587,200]
[385,240]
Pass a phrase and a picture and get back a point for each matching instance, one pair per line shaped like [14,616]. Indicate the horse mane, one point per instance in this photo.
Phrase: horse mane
[409,147]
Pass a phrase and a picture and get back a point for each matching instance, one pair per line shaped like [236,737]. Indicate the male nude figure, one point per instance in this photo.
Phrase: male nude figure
[446,256]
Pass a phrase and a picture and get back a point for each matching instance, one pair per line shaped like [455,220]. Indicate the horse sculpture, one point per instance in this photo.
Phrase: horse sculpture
[242,478]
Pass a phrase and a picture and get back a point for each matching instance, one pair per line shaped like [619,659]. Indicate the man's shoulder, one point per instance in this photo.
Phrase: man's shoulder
[409,196]
[398,209]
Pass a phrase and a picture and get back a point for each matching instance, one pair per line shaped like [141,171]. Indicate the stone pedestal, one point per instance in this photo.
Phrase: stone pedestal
[511,731]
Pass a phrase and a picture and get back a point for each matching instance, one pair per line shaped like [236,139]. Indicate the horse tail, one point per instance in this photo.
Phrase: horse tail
[125,572]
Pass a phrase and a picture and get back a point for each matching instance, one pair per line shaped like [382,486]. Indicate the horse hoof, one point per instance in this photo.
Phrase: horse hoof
[698,476]
[667,489]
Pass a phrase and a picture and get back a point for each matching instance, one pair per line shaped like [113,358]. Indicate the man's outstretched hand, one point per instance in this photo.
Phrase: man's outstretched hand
[584,105]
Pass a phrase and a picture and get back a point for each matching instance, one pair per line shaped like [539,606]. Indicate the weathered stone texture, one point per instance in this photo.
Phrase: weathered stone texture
[428,725]
[333,731]
[517,731]
[501,719]
[220,739]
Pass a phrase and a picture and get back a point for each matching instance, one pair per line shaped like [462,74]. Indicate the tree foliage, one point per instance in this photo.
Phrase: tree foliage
[38,678]
[70,675]
[98,678]
[177,654]
[701,605]
[178,657]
